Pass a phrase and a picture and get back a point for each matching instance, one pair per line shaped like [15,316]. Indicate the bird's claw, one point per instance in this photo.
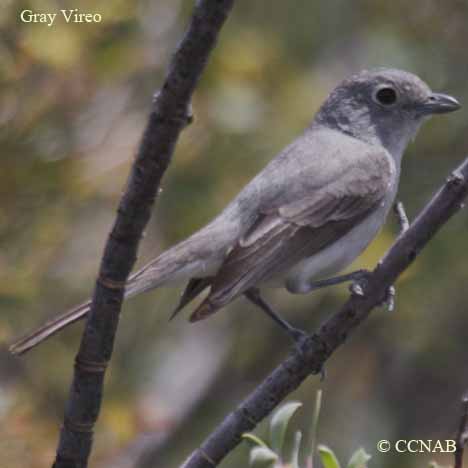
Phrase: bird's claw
[299,337]
[358,288]
[389,300]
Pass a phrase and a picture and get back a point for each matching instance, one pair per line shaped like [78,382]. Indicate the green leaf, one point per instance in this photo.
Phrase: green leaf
[296,449]
[359,459]
[254,439]
[279,423]
[262,456]
[327,457]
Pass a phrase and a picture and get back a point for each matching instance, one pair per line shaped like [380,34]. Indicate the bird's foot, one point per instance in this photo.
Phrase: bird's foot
[300,338]
[353,276]
[402,217]
[360,283]
[296,334]
[358,288]
[389,299]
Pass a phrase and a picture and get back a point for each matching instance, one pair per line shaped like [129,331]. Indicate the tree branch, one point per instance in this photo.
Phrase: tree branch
[461,434]
[333,333]
[168,117]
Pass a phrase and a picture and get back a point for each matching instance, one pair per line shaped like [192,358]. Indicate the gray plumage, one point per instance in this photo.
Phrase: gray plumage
[310,212]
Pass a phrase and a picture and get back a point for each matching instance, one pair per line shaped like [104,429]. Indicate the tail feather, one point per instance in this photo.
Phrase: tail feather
[194,287]
[137,284]
[199,256]
[49,329]
[181,262]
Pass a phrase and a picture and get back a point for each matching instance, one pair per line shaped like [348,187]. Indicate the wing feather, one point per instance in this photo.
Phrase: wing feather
[282,237]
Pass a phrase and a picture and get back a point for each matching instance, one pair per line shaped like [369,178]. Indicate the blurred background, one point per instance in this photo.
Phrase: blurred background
[74,99]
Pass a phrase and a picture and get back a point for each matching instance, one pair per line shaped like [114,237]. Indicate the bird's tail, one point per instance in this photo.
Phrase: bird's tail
[51,327]
[181,262]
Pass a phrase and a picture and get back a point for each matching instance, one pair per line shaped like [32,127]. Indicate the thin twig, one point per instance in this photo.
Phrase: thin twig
[319,347]
[461,437]
[169,115]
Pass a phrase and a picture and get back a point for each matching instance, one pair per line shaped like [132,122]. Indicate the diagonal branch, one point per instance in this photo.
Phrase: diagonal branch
[333,333]
[169,115]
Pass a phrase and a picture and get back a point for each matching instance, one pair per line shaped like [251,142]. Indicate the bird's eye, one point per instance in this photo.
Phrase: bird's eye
[386,96]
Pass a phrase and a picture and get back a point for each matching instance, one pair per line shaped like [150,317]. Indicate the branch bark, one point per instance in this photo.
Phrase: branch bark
[461,434]
[169,114]
[317,348]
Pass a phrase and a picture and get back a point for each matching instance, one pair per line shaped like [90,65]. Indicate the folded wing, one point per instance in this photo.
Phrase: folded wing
[282,237]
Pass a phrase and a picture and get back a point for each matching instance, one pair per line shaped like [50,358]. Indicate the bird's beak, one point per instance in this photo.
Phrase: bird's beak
[438,103]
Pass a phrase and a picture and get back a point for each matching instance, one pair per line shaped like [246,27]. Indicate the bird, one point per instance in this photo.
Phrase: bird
[307,215]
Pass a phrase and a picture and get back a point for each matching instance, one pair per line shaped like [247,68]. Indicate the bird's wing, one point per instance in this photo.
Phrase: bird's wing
[282,237]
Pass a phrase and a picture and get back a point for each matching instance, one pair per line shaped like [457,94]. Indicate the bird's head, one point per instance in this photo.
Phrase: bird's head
[383,106]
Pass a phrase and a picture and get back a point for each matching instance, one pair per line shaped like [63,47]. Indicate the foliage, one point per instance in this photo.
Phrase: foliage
[273,454]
